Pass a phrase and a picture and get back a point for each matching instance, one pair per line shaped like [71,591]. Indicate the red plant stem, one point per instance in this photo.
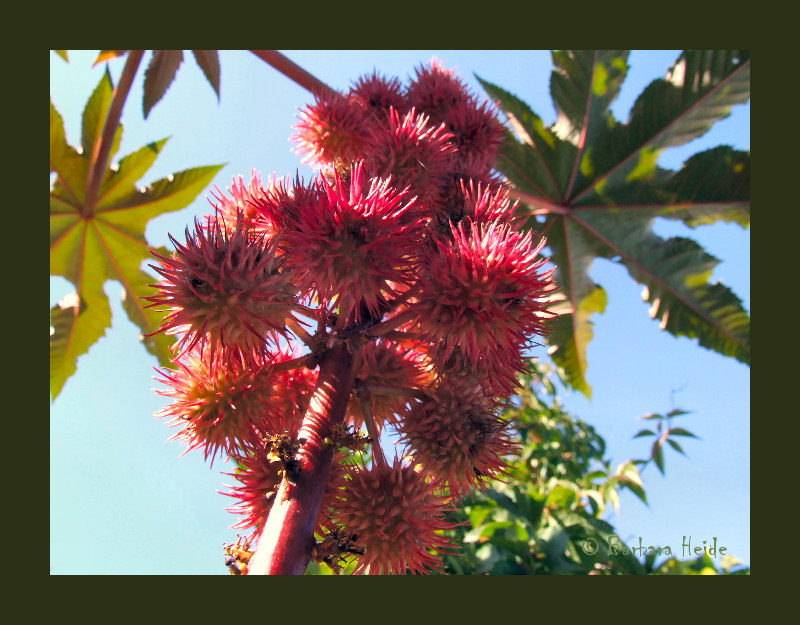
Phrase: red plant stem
[292,70]
[391,324]
[101,150]
[294,363]
[285,545]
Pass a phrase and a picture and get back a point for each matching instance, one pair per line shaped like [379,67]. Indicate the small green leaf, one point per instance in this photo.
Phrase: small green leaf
[675,446]
[641,433]
[658,456]
[681,432]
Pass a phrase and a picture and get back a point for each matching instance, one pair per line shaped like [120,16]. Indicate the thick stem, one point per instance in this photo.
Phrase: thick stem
[285,545]
[391,324]
[292,70]
[101,150]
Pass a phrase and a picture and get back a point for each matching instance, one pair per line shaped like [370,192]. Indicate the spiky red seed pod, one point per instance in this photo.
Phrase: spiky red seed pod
[333,130]
[476,129]
[415,154]
[245,200]
[457,437]
[219,406]
[434,90]
[482,292]
[292,391]
[228,292]
[383,370]
[484,203]
[351,243]
[377,94]
[259,478]
[476,193]
[495,377]
[397,515]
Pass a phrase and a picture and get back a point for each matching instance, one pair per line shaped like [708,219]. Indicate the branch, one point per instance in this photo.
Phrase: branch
[102,149]
[292,70]
[285,545]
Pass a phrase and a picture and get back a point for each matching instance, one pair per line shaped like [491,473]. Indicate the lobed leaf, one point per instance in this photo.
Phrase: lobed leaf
[91,245]
[598,184]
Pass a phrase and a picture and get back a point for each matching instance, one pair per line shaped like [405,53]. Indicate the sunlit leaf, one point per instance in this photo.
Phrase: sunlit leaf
[107,55]
[594,183]
[105,241]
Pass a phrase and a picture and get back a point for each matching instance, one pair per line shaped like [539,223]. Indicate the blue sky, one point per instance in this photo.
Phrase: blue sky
[123,500]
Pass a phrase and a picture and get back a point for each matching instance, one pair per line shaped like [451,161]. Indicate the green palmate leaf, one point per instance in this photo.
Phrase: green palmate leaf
[583,84]
[675,274]
[159,76]
[681,432]
[65,160]
[162,196]
[541,159]
[118,183]
[711,186]
[698,91]
[75,325]
[596,188]
[94,117]
[105,241]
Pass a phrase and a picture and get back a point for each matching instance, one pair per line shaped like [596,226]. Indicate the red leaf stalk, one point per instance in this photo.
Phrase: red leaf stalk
[292,70]
[285,545]
[101,150]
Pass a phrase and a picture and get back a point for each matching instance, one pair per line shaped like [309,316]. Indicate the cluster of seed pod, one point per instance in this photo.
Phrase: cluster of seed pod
[404,249]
